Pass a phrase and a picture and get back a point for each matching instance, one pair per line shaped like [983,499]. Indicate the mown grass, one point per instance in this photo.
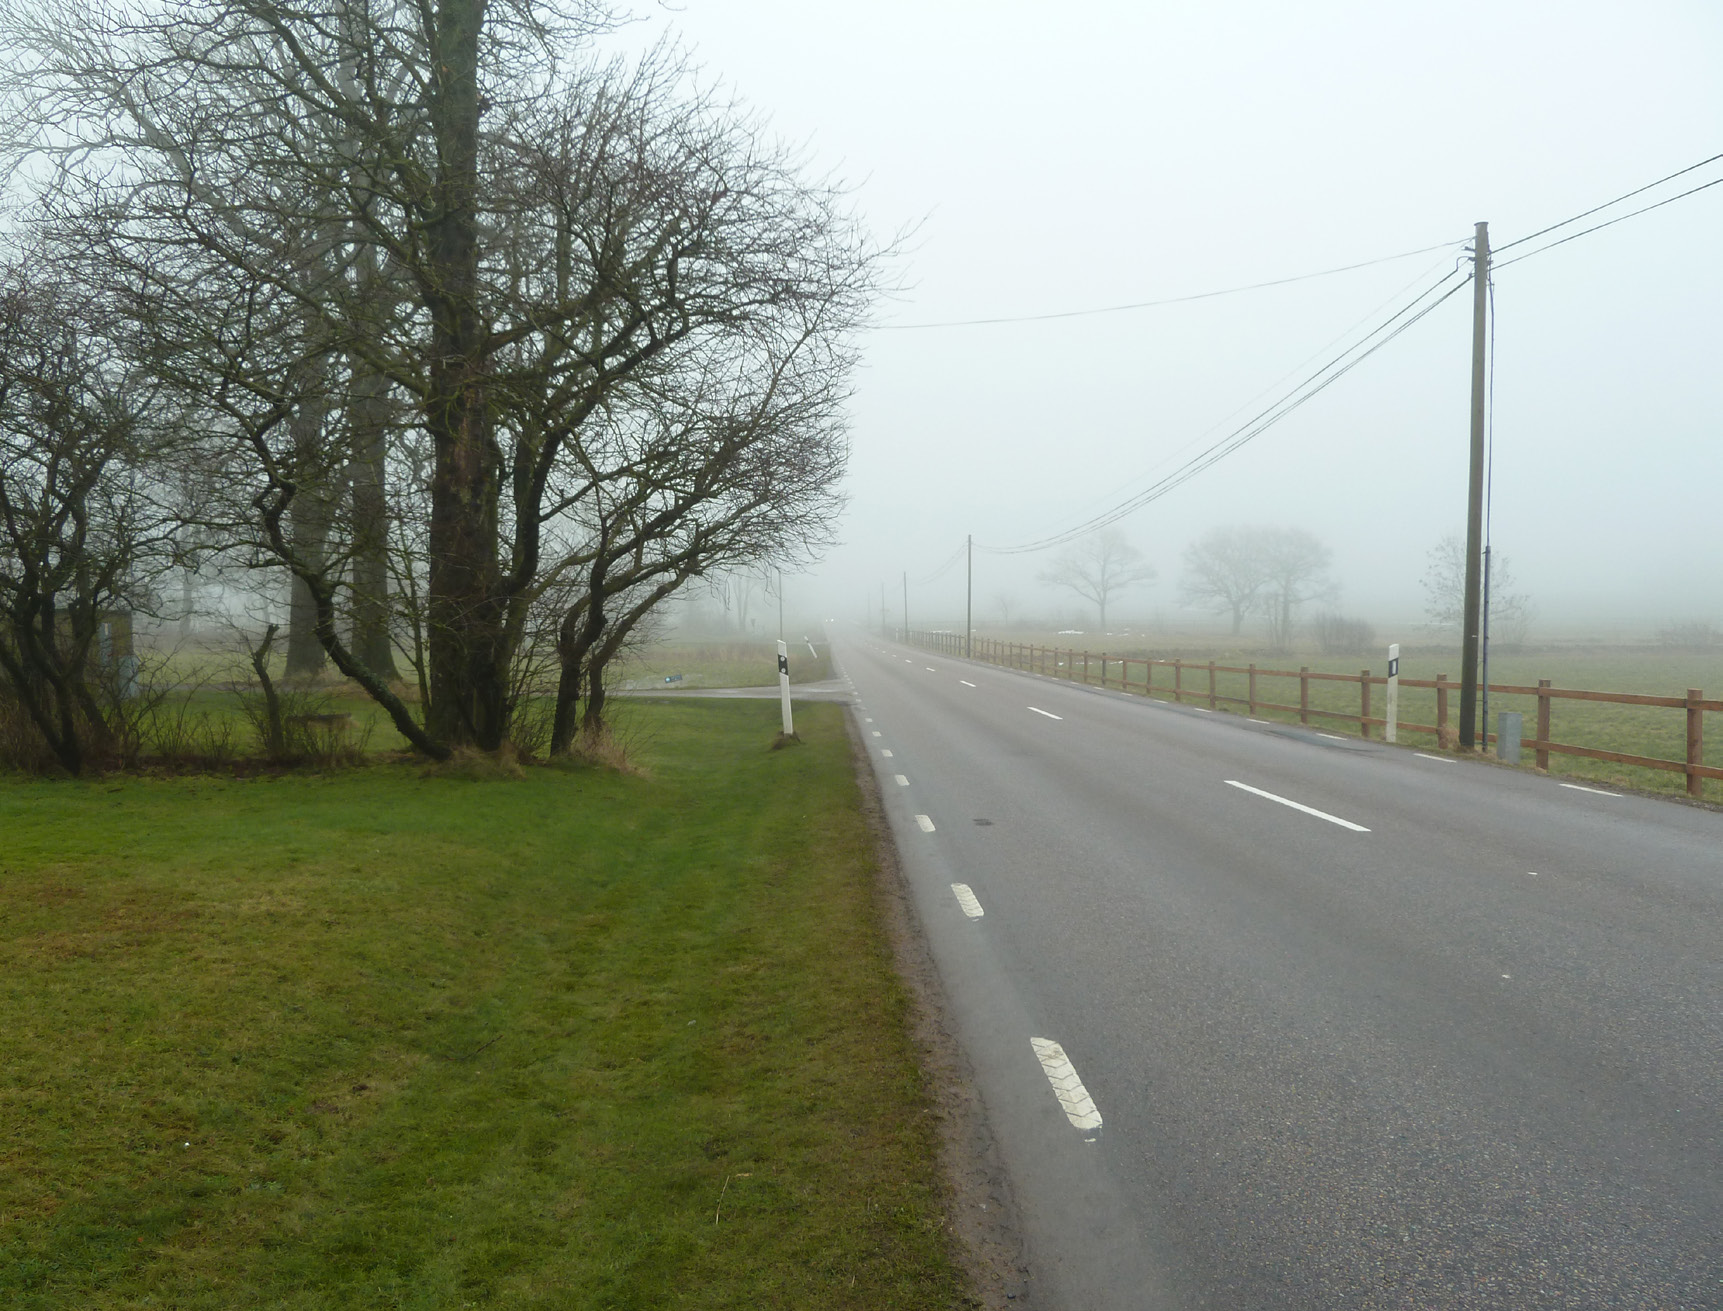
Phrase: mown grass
[377,1039]
[1636,730]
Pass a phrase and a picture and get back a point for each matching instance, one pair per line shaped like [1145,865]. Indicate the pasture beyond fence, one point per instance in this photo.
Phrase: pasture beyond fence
[1193,682]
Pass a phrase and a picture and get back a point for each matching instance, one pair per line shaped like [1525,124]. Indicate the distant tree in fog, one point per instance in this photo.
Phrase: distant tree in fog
[1099,566]
[1295,565]
[1226,570]
[1445,593]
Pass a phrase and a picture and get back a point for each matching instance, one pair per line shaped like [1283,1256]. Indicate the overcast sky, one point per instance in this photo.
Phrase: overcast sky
[1054,158]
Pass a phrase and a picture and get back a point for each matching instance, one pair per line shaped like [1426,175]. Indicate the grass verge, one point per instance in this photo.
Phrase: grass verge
[376,1039]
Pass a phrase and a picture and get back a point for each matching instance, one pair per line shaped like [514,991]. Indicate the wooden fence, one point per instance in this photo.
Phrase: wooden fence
[1188,681]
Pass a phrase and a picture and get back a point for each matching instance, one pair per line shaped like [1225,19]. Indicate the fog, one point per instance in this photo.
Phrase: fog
[1044,160]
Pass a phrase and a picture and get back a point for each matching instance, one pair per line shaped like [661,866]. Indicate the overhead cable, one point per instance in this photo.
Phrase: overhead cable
[1170,300]
[1313,385]
[1608,223]
[1596,209]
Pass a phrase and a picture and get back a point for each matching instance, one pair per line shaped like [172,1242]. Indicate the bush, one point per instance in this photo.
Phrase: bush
[1339,635]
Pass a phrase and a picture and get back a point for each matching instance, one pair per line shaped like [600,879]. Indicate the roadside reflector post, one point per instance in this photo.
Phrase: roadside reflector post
[1392,732]
[784,686]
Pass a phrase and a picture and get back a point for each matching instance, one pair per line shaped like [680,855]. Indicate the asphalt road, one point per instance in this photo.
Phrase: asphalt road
[1462,1049]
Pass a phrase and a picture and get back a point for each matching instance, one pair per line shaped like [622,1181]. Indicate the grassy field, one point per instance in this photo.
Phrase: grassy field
[723,664]
[382,1039]
[1637,730]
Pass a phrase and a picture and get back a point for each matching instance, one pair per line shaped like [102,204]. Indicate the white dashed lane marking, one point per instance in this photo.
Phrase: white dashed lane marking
[1297,805]
[885,753]
[1048,713]
[876,732]
[966,682]
[1425,755]
[966,899]
[925,823]
[902,782]
[1074,1099]
[1596,792]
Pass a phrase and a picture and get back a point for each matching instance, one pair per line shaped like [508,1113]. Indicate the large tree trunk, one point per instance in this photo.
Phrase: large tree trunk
[372,646]
[310,536]
[469,678]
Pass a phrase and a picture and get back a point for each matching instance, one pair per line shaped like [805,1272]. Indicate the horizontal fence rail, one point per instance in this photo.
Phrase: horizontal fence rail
[1178,684]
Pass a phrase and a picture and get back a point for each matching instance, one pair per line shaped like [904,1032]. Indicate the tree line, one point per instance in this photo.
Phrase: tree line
[480,344]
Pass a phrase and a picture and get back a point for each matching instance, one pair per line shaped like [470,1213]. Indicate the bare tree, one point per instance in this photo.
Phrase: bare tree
[1099,567]
[1295,566]
[1227,570]
[547,233]
[82,536]
[1445,593]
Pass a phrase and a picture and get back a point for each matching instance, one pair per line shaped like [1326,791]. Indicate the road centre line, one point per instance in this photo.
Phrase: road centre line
[1297,805]
[1599,792]
[966,682]
[966,899]
[1445,760]
[902,782]
[930,669]
[1048,713]
[1074,1099]
[925,822]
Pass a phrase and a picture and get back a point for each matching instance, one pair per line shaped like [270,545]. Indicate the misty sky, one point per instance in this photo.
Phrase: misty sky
[1054,158]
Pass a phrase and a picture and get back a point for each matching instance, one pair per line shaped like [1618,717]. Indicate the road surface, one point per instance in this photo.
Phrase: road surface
[1267,1018]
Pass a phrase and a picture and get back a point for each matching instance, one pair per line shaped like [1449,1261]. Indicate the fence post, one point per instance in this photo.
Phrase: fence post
[1304,694]
[1213,702]
[1103,669]
[1363,703]
[1695,742]
[1085,668]
[1543,725]
[1442,711]
[1252,697]
[1178,681]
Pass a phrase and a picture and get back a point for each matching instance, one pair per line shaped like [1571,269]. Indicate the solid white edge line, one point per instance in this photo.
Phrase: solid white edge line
[966,899]
[1074,1099]
[1596,792]
[902,782]
[925,822]
[1444,760]
[1298,805]
[1048,713]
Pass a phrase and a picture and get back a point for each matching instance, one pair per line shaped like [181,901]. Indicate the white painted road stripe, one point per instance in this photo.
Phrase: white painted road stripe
[1074,1099]
[902,782]
[1425,755]
[1308,810]
[966,682]
[925,822]
[875,732]
[885,753]
[1048,713]
[930,669]
[966,899]
[1594,791]
[1332,737]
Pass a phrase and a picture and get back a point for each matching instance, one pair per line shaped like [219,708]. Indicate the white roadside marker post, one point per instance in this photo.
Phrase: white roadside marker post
[784,686]
[1392,733]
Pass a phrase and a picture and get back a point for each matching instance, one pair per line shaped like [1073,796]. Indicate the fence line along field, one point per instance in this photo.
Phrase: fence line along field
[1605,702]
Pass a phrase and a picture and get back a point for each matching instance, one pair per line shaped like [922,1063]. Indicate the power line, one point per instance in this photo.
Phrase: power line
[1680,172]
[939,572]
[1317,382]
[1171,300]
[1586,232]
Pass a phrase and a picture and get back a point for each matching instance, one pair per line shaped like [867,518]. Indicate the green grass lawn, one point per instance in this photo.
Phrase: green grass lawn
[377,1039]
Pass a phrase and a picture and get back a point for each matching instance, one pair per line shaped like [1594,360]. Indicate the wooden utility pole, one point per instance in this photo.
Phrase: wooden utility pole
[968,596]
[906,605]
[1475,497]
